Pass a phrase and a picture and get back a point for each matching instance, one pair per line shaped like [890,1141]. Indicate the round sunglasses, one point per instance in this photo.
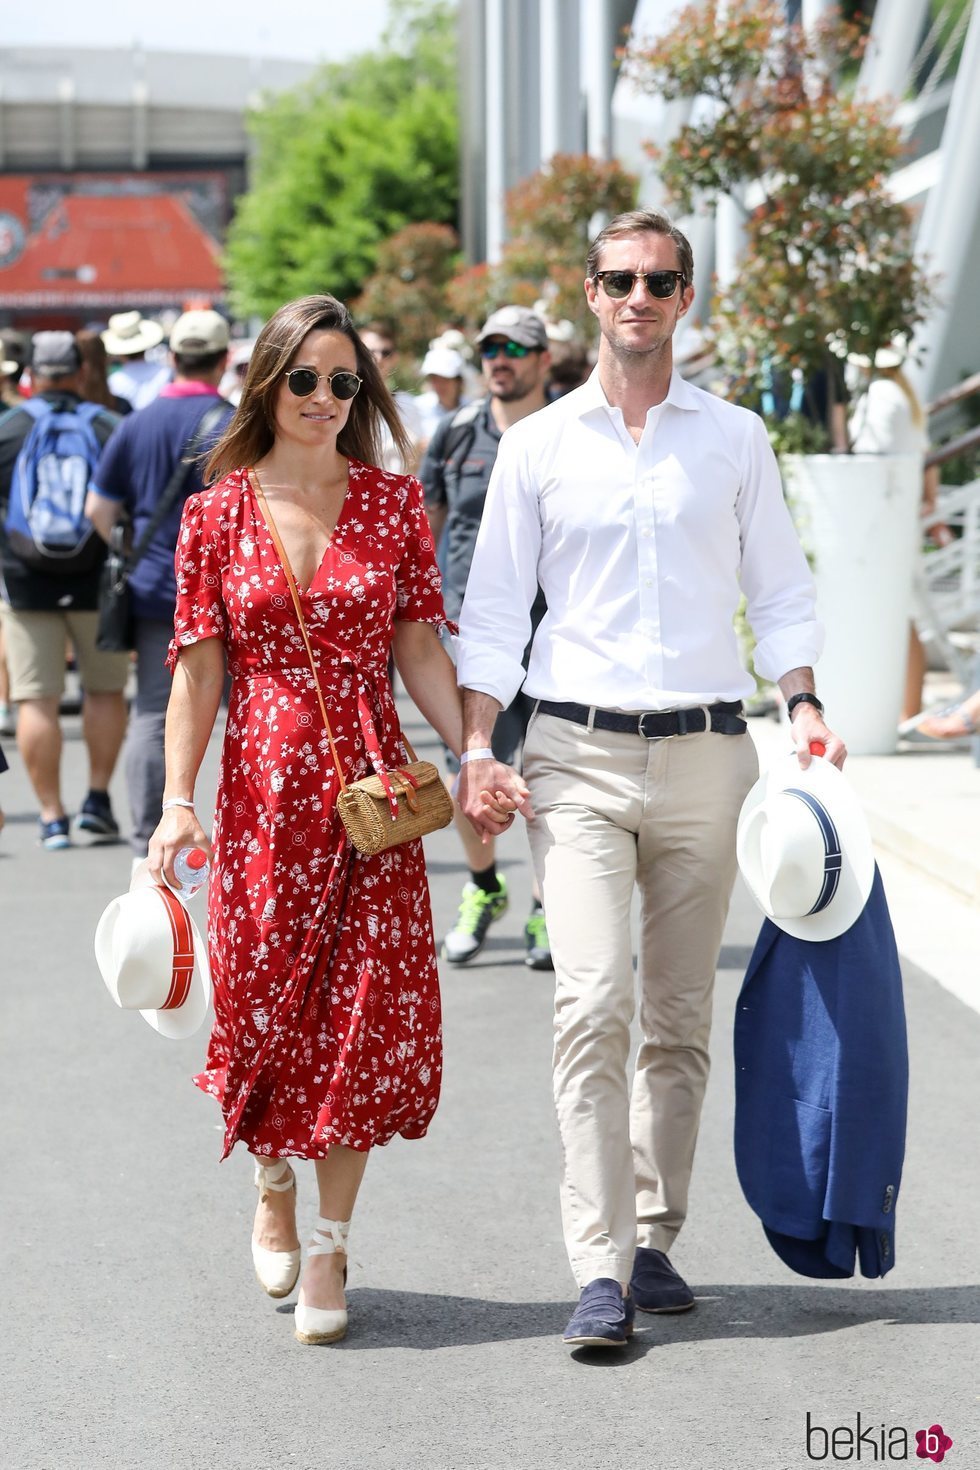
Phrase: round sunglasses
[303,381]
[619,284]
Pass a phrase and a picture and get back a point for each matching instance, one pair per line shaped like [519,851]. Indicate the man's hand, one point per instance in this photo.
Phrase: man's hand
[489,793]
[807,726]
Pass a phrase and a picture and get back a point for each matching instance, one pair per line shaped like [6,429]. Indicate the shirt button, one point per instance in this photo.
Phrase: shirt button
[646,532]
[648,582]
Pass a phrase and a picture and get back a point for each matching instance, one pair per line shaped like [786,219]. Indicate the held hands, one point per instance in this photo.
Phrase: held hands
[808,729]
[489,793]
[177,828]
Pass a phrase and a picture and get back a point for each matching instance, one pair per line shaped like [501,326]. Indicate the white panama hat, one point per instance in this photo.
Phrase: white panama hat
[129,333]
[153,960]
[804,849]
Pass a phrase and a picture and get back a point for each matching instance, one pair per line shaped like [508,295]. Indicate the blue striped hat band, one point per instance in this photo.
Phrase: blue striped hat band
[831,847]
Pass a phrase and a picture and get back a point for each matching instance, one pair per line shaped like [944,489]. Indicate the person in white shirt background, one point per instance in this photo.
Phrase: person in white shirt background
[442,372]
[888,418]
[379,339]
[128,338]
[642,505]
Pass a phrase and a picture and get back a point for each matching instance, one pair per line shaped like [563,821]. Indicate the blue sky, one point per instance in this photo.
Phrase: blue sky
[299,29]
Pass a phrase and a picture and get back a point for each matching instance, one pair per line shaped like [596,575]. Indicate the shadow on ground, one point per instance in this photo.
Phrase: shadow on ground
[405,1319]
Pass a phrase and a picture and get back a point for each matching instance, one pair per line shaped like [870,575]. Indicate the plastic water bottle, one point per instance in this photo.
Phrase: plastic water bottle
[192,870]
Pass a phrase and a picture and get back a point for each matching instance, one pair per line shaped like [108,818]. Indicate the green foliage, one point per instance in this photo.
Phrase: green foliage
[829,267]
[548,219]
[345,161]
[409,284]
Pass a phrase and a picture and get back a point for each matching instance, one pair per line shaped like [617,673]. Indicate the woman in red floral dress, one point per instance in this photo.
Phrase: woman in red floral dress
[327,1035]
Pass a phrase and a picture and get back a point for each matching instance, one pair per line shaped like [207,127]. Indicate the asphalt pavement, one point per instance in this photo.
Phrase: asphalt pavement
[135,1335]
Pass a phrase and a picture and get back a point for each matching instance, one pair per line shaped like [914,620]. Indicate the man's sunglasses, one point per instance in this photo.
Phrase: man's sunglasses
[490,350]
[303,381]
[619,284]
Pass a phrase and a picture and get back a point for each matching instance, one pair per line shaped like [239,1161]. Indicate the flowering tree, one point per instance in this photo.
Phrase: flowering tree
[829,267]
[548,220]
[409,283]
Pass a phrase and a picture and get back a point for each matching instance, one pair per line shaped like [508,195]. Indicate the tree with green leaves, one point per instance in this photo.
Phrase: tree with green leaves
[346,160]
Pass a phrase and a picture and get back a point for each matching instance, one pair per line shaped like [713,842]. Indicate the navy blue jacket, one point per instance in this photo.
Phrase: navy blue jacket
[821,1091]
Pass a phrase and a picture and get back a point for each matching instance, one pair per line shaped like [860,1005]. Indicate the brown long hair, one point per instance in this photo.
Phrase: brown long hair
[95,362]
[252,431]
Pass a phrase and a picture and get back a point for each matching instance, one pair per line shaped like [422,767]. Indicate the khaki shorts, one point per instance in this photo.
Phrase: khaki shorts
[35,644]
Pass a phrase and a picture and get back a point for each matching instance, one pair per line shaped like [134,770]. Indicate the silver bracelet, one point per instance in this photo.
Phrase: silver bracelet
[486,754]
[177,801]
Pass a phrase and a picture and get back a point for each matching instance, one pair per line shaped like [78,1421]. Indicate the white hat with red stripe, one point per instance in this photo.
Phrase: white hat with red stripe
[154,960]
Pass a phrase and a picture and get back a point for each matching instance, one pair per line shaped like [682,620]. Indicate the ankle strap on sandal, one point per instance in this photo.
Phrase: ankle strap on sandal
[329,1236]
[270,1176]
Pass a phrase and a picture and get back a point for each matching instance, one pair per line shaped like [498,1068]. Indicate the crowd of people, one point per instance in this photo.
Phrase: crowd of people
[165,397]
[552,565]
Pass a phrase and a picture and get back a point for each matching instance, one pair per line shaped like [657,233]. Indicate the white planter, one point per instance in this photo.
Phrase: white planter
[858,519]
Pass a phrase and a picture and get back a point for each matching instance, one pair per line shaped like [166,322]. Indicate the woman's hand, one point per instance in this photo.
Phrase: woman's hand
[177,828]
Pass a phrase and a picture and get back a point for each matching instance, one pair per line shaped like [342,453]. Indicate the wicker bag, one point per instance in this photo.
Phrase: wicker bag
[377,812]
[424,805]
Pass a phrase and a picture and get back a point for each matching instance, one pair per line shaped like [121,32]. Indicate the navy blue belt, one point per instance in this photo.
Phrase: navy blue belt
[722,718]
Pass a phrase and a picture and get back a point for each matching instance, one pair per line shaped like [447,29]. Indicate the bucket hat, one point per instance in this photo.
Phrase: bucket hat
[128,333]
[804,849]
[153,959]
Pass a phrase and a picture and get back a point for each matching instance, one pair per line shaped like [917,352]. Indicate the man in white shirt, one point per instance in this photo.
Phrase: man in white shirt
[643,506]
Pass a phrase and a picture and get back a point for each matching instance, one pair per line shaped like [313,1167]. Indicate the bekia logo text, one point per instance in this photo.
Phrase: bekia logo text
[873,1443]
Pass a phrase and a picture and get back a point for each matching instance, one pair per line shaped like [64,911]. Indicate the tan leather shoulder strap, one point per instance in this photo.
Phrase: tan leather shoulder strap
[266,514]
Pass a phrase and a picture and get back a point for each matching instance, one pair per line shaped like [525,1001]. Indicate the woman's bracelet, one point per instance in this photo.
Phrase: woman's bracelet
[485,754]
[177,801]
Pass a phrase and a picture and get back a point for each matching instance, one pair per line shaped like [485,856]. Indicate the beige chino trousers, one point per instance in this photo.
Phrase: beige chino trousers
[614,812]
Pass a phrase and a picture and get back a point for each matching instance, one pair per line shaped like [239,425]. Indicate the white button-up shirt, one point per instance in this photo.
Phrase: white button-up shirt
[641,551]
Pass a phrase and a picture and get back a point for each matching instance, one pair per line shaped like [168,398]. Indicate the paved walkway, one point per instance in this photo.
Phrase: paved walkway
[134,1335]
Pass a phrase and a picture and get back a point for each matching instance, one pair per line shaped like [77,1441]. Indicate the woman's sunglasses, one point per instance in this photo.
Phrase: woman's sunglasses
[303,381]
[619,284]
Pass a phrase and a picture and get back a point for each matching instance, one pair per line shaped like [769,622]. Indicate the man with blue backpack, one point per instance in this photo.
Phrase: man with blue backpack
[50,561]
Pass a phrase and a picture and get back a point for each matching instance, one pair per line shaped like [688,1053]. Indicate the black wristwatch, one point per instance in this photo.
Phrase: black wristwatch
[805,698]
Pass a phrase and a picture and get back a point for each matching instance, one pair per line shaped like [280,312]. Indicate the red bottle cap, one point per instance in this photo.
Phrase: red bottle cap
[196,858]
[817,747]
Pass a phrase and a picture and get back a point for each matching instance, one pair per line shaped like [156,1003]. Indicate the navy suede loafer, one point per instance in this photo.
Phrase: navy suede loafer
[603,1317]
[655,1286]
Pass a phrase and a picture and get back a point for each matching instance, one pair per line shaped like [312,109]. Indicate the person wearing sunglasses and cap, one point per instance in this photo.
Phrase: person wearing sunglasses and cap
[643,507]
[513,347]
[146,472]
[327,1034]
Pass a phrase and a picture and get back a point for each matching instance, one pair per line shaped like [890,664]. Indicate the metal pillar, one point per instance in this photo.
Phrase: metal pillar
[495,127]
[895,32]
[951,217]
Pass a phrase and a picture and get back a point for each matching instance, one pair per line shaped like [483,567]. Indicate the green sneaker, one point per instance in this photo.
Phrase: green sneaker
[477,911]
[537,949]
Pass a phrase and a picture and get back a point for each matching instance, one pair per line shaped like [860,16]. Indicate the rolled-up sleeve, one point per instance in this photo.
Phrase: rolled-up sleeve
[495,622]
[779,589]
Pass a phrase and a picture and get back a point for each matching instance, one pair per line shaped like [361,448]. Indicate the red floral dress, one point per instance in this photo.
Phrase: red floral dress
[327,1017]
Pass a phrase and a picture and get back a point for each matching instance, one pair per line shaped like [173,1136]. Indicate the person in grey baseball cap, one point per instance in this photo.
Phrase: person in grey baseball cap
[455,474]
[518,324]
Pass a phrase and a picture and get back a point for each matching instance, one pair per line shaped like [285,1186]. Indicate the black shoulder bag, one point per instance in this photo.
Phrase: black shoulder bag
[116,632]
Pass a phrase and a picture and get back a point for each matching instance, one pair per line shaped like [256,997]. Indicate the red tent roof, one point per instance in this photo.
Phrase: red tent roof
[110,250]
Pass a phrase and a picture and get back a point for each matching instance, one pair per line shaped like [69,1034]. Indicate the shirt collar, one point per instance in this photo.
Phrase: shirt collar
[591,396]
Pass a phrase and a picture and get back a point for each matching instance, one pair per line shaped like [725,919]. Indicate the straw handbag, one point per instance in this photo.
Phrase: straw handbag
[378,811]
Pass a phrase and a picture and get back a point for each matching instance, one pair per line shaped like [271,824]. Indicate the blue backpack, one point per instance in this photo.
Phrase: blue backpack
[46,526]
